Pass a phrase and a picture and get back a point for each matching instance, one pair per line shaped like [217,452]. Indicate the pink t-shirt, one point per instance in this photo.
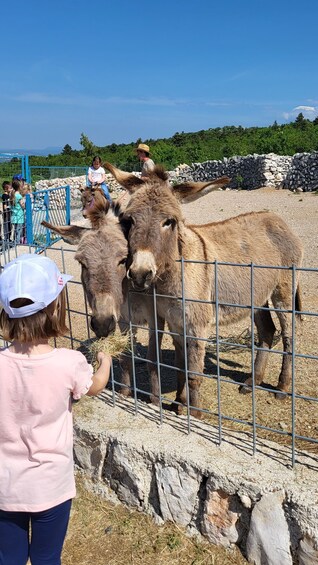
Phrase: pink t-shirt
[36,427]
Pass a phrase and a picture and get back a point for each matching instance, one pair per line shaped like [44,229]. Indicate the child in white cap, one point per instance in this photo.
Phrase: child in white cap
[37,384]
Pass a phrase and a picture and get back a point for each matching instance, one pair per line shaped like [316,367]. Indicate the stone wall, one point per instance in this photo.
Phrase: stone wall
[223,493]
[254,171]
[299,172]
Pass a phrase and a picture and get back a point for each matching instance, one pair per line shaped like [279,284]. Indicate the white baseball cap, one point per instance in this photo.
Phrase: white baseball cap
[30,276]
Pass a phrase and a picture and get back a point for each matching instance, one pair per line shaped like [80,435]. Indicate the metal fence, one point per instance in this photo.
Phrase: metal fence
[47,173]
[230,351]
[13,164]
[52,205]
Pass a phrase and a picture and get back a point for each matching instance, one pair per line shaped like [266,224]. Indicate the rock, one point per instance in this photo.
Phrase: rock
[177,491]
[268,541]
[308,552]
[221,518]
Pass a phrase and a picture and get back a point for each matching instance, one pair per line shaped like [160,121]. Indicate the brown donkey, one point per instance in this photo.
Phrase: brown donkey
[102,253]
[159,237]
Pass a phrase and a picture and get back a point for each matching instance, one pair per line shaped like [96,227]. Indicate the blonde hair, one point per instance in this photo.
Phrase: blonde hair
[49,322]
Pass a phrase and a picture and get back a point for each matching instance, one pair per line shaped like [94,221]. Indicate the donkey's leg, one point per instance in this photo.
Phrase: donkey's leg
[282,299]
[126,370]
[266,330]
[125,363]
[195,354]
[285,376]
[152,356]
[181,396]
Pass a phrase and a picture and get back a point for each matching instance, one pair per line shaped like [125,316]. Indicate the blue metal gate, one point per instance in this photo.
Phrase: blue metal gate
[12,164]
[52,205]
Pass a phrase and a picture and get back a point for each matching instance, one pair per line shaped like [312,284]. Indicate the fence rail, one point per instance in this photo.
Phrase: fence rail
[259,416]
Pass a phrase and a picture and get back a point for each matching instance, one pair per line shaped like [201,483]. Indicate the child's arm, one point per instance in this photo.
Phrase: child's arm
[101,376]
[89,176]
[103,176]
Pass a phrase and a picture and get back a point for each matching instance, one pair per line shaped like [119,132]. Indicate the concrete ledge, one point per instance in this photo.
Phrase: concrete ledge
[221,492]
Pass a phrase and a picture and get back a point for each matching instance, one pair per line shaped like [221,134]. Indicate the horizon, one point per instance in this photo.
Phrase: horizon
[151,72]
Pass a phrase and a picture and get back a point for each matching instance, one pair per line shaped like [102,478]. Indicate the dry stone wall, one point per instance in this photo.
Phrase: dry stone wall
[299,172]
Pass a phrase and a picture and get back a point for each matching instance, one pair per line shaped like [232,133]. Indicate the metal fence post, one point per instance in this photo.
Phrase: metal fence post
[68,204]
[28,219]
[26,168]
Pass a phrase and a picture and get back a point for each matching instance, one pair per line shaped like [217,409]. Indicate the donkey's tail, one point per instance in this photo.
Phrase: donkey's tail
[298,304]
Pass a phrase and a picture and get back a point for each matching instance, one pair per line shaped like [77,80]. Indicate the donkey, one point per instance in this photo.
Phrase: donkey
[159,237]
[88,198]
[102,253]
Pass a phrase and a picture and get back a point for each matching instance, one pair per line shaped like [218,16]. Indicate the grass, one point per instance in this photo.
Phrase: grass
[101,533]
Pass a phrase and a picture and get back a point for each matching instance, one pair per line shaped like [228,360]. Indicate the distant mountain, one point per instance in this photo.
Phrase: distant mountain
[46,151]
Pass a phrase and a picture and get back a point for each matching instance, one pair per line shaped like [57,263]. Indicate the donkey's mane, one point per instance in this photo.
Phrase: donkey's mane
[97,213]
[160,172]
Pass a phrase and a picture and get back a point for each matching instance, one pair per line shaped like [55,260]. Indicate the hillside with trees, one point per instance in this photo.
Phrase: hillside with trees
[215,143]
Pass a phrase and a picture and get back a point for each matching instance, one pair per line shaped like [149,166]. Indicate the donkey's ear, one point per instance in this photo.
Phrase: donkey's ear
[69,234]
[190,191]
[129,181]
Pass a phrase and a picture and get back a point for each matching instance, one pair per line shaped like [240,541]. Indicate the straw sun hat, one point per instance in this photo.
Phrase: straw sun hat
[143,147]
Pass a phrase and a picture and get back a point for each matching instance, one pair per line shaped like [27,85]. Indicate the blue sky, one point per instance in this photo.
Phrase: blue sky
[120,70]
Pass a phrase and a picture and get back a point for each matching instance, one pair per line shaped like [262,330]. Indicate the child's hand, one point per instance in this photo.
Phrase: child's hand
[101,355]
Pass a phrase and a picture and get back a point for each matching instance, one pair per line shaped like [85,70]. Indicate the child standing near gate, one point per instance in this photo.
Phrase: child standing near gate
[17,210]
[6,209]
[37,384]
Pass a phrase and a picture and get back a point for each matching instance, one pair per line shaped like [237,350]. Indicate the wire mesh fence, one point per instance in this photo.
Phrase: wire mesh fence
[290,421]
[38,173]
[52,205]
[12,164]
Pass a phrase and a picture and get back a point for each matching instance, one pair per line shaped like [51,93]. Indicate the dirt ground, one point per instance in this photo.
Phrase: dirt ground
[273,417]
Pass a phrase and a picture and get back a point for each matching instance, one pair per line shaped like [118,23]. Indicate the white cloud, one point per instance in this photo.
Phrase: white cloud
[308,112]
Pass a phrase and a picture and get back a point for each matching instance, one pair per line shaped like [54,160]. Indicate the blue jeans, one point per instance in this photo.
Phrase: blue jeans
[48,531]
[104,188]
[18,229]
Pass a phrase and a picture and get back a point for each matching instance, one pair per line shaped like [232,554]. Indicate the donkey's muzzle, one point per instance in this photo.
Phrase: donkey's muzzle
[102,327]
[141,280]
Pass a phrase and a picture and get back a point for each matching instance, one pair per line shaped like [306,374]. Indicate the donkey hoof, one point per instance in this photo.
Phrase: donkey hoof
[177,408]
[280,395]
[126,392]
[196,413]
[154,400]
[245,389]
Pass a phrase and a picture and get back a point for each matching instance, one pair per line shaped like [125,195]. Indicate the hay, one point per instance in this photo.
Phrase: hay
[113,345]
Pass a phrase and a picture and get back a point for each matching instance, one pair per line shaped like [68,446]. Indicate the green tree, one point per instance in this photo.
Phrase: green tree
[67,150]
[301,122]
[88,146]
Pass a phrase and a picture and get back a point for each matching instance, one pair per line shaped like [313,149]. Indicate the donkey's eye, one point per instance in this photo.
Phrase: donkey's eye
[169,222]
[122,261]
[127,222]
